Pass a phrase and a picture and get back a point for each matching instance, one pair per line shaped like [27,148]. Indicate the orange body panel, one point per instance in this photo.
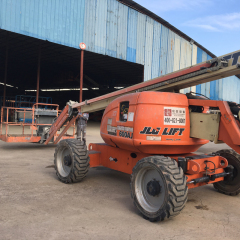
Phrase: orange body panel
[29,138]
[195,167]
[112,157]
[22,138]
[158,123]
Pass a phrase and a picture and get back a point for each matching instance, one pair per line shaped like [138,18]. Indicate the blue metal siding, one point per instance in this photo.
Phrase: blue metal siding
[213,86]
[89,26]
[101,26]
[111,28]
[122,32]
[148,48]
[132,35]
[203,86]
[50,20]
[199,55]
[141,38]
[199,60]
[111,47]
[65,21]
[230,87]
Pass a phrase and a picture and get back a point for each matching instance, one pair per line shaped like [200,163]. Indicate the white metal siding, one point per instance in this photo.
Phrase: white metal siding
[163,56]
[148,48]
[141,38]
[122,32]
[156,49]
[170,51]
[177,53]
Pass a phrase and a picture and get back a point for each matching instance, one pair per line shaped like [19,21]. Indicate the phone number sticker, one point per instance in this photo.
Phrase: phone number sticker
[174,116]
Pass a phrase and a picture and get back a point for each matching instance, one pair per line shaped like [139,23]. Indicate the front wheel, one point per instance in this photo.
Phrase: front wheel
[158,188]
[71,160]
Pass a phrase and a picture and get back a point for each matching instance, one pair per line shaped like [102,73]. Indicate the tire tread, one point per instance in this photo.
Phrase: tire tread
[80,160]
[218,185]
[176,185]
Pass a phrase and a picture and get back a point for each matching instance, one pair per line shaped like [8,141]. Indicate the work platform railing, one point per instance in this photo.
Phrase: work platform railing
[26,125]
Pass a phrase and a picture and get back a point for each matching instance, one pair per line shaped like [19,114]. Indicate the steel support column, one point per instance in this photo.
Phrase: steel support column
[5,75]
[81,75]
[143,75]
[38,72]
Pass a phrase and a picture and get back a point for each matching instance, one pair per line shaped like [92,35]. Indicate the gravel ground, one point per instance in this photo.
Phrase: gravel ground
[35,205]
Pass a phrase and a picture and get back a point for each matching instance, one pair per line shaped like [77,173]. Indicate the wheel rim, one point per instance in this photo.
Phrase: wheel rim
[63,169]
[150,200]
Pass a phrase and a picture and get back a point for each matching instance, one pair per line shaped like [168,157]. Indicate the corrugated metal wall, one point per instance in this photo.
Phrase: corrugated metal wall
[111,28]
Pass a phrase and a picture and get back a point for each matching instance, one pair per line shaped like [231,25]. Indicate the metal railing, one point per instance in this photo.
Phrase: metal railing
[26,119]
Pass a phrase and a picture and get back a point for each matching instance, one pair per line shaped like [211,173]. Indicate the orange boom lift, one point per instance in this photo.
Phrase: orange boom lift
[152,136]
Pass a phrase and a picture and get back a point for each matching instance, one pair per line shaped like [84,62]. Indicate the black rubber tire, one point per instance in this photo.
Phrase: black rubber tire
[174,182]
[230,187]
[79,160]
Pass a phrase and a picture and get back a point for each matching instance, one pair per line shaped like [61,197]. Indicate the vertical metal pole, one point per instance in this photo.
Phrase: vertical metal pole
[81,75]
[143,75]
[33,110]
[1,120]
[38,73]
[7,123]
[5,75]
[24,116]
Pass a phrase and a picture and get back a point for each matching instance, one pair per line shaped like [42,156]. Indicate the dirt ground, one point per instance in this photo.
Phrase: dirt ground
[35,205]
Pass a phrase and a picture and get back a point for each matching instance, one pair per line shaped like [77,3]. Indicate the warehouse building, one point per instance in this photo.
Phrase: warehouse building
[125,44]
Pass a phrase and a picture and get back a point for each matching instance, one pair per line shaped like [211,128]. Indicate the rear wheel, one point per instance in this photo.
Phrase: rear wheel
[158,188]
[230,185]
[71,160]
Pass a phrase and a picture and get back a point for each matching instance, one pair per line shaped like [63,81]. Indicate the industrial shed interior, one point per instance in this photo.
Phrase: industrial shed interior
[59,70]
[125,44]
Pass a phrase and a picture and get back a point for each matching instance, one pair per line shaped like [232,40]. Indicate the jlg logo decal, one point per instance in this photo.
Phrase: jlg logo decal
[173,131]
[166,131]
[149,130]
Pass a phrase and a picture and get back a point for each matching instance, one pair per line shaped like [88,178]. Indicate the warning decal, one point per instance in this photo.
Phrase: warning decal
[174,116]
